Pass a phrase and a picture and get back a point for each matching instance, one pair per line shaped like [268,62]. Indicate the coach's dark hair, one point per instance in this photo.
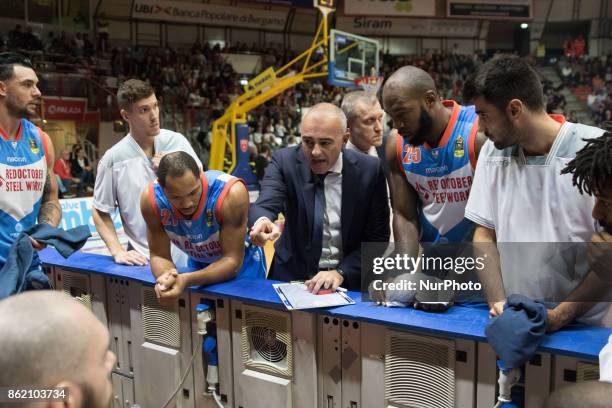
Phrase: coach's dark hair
[502,79]
[131,91]
[592,166]
[8,60]
[175,165]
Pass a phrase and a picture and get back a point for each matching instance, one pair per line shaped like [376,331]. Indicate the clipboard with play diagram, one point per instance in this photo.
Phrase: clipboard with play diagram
[296,296]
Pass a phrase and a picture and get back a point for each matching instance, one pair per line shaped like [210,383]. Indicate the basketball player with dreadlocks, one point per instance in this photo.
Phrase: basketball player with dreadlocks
[592,174]
[520,196]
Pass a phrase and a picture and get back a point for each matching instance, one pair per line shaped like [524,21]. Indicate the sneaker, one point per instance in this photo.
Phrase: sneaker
[68,195]
[89,189]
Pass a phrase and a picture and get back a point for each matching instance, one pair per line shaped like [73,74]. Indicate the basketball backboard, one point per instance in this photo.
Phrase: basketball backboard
[350,57]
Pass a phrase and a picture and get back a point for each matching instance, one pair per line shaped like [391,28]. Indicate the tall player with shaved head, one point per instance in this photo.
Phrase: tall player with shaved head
[431,159]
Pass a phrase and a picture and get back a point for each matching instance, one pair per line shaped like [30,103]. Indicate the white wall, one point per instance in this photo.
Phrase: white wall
[148,33]
[213,34]
[276,38]
[300,42]
[304,21]
[108,138]
[540,8]
[600,46]
[432,44]
[244,36]
[563,10]
[464,46]
[589,9]
[181,34]
[402,46]
[243,63]
[115,8]
[119,31]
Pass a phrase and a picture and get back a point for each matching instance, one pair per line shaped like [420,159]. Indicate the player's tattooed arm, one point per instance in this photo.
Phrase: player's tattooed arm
[50,210]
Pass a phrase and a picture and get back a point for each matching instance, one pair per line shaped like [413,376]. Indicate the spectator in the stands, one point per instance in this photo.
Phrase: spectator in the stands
[102,26]
[572,117]
[62,168]
[78,44]
[261,161]
[291,141]
[16,37]
[88,47]
[81,169]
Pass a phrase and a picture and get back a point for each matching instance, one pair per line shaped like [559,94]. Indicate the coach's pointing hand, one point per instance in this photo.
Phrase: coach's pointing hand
[264,230]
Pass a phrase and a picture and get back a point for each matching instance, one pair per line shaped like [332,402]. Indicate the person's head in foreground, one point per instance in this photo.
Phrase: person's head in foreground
[50,340]
[324,132]
[507,94]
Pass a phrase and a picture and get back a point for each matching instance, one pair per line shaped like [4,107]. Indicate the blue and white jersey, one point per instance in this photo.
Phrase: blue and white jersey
[442,176]
[198,237]
[23,172]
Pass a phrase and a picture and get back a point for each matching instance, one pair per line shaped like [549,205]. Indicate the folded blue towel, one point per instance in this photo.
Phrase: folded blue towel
[517,333]
[22,271]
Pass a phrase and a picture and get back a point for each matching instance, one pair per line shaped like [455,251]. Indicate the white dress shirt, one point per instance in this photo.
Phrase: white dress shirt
[331,252]
[371,152]
[331,248]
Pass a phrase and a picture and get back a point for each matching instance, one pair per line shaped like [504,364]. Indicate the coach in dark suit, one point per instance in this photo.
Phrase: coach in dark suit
[333,199]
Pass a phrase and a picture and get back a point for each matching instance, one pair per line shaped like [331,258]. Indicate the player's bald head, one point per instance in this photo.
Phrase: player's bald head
[408,82]
[44,338]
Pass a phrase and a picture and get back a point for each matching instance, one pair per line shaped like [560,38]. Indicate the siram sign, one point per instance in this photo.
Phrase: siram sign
[383,26]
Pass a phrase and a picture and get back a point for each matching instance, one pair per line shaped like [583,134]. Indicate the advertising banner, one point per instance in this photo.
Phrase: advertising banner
[385,26]
[485,9]
[397,8]
[210,14]
[77,211]
[55,108]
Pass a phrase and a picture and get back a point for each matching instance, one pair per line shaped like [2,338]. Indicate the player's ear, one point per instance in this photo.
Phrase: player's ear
[515,108]
[345,136]
[124,114]
[73,393]
[430,97]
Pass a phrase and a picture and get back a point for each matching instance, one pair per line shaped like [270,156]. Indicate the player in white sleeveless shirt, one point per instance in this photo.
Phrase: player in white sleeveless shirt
[519,194]
[128,167]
